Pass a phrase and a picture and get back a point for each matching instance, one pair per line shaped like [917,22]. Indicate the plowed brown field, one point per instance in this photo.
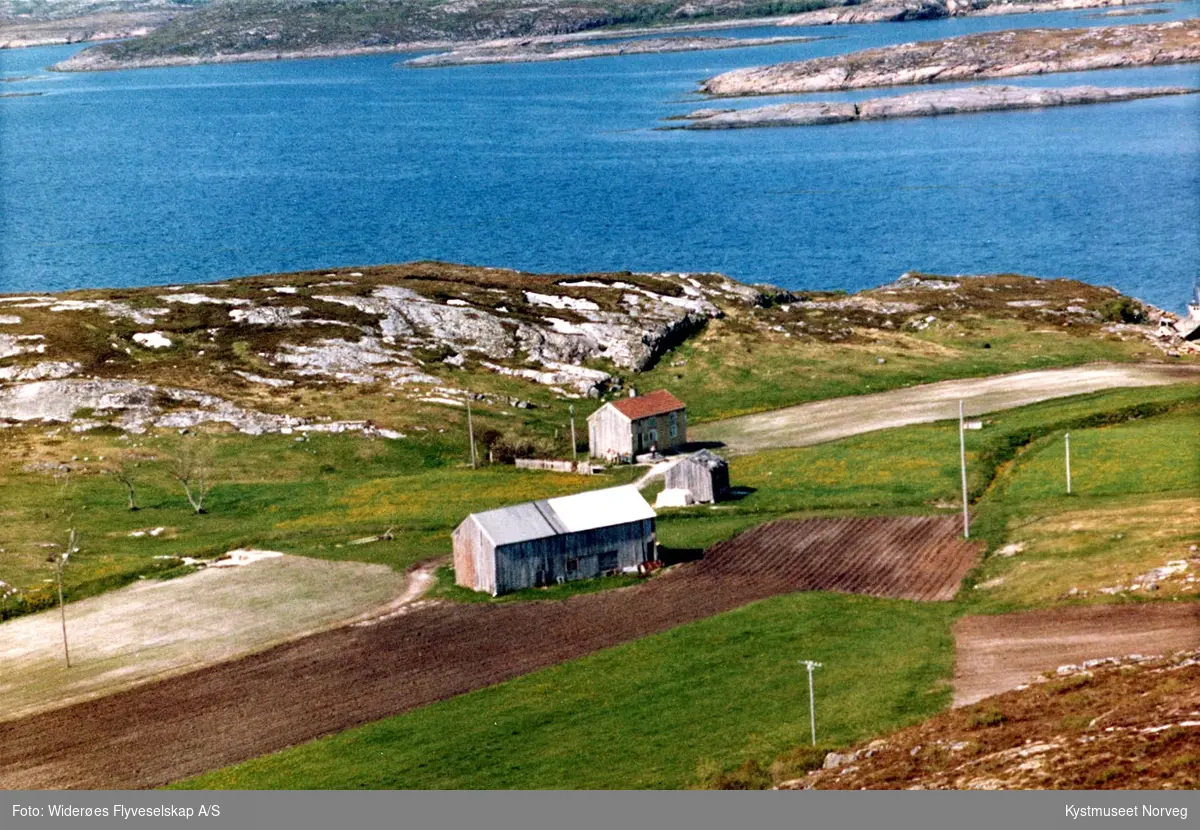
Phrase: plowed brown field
[323,684]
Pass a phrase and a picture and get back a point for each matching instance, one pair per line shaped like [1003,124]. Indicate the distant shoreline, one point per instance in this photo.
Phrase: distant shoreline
[870,11]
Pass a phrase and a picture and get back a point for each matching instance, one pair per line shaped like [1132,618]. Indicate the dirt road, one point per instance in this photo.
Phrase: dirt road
[329,682]
[998,653]
[814,423]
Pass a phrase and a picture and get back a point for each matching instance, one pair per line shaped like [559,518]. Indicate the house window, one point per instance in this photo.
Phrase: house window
[674,424]
[572,565]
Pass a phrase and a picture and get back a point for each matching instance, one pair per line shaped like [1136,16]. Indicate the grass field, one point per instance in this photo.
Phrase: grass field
[665,711]
[311,498]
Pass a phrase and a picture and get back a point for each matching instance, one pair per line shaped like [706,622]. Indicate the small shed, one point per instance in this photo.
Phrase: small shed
[704,473]
[628,427]
[554,540]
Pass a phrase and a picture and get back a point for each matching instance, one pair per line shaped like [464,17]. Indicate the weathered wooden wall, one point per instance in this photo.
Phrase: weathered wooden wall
[609,433]
[706,485]
[474,560]
[546,561]
[583,467]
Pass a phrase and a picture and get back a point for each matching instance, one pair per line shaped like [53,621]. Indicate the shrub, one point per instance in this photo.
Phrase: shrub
[1124,310]
[986,717]
[749,776]
[798,761]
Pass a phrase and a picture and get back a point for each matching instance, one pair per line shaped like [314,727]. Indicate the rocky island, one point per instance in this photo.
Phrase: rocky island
[898,11]
[529,52]
[972,57]
[917,104]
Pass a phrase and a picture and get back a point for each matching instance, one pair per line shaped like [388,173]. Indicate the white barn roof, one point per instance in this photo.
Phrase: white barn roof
[567,514]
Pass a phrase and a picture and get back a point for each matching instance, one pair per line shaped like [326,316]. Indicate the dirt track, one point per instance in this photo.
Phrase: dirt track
[157,733]
[814,423]
[998,653]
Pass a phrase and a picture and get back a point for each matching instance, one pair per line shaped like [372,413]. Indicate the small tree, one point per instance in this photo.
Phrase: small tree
[192,468]
[121,471]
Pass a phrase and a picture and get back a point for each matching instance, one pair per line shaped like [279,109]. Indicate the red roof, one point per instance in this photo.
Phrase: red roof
[643,406]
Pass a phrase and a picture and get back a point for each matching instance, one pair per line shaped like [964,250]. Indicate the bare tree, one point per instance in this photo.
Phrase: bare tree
[121,471]
[59,560]
[192,468]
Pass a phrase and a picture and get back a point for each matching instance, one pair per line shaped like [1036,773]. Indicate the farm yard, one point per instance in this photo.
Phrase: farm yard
[179,717]
[839,541]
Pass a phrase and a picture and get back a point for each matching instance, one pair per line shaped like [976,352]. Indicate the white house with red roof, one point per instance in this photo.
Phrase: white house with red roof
[626,428]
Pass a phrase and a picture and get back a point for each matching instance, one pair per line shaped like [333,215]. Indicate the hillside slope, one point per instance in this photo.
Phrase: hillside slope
[1130,723]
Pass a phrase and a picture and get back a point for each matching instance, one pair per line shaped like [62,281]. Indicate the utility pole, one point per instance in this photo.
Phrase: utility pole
[962,458]
[1068,463]
[471,432]
[59,561]
[574,450]
[812,706]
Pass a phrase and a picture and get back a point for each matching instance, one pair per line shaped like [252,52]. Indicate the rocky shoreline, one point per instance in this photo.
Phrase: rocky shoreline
[531,52]
[918,104]
[1000,54]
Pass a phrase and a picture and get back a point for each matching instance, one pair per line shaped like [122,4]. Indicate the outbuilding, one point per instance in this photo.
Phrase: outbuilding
[554,540]
[623,429]
[704,474]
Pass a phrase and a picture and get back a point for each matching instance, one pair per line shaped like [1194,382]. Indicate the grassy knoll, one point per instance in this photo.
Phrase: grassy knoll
[309,497]
[660,712]
[1133,508]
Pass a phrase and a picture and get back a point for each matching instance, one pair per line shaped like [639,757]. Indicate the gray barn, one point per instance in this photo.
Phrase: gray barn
[554,540]
[626,428]
[704,473]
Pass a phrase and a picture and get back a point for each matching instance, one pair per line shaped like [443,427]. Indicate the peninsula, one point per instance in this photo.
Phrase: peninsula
[530,52]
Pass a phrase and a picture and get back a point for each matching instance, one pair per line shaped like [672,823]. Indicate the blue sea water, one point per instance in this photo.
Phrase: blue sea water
[197,173]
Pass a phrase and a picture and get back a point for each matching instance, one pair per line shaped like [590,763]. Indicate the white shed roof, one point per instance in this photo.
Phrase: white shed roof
[601,508]
[567,514]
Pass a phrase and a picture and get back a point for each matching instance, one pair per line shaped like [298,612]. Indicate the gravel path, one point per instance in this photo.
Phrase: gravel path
[815,423]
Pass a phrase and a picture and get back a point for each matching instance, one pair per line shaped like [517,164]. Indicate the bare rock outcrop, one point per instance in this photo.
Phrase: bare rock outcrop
[972,57]
[535,52]
[918,104]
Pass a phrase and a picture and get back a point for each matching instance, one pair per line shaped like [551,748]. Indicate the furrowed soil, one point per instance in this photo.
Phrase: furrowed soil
[228,713]
[997,653]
